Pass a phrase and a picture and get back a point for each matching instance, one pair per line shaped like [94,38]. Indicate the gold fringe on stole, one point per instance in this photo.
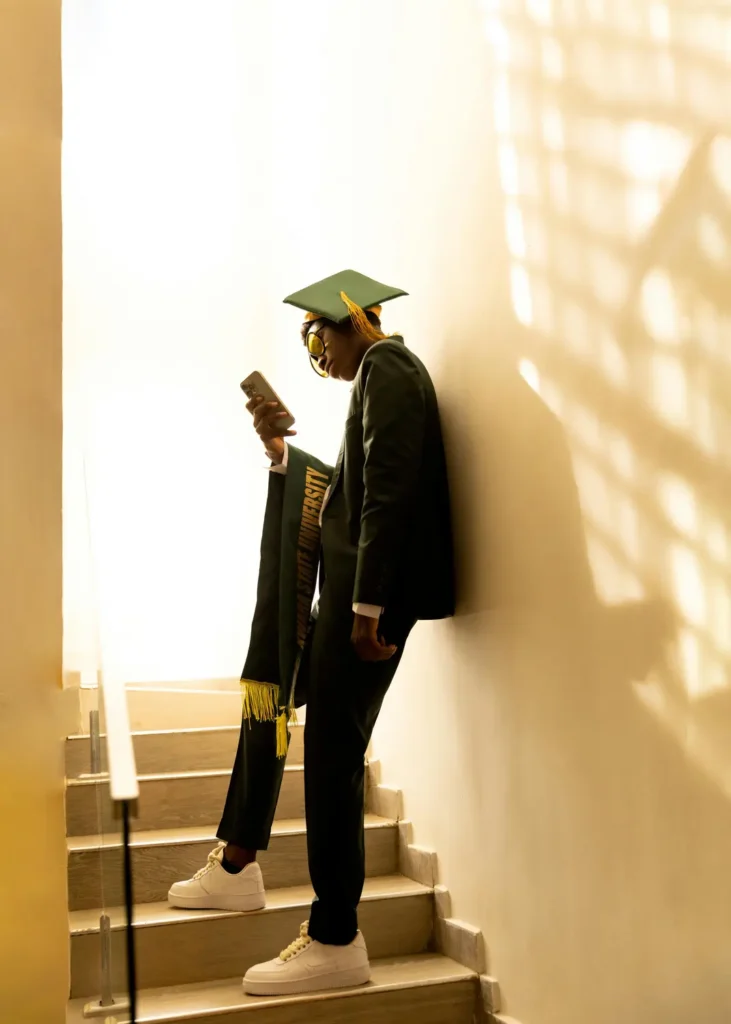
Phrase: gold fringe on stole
[260,700]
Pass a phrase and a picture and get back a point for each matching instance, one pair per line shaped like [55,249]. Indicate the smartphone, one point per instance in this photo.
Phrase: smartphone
[257,384]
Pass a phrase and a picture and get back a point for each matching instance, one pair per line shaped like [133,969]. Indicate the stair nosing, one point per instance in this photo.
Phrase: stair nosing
[191,834]
[302,897]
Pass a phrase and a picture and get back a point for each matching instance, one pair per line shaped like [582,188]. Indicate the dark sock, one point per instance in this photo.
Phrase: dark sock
[232,869]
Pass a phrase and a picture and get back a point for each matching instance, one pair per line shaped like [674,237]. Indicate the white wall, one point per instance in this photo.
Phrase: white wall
[573,770]
[161,317]
[216,158]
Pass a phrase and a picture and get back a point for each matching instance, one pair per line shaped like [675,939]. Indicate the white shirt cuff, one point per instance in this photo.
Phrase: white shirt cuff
[282,467]
[371,610]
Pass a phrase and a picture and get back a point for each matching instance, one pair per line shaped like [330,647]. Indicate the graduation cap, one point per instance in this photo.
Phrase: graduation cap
[342,296]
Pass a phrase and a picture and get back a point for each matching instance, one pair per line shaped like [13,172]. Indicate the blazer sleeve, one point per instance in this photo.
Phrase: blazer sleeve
[394,417]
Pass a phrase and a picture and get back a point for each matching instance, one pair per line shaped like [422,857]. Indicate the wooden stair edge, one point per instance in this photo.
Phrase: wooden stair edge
[183,730]
[189,1002]
[203,773]
[188,834]
[153,915]
[84,737]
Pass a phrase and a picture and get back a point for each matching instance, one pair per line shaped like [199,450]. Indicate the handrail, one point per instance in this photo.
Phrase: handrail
[124,788]
[122,766]
[121,762]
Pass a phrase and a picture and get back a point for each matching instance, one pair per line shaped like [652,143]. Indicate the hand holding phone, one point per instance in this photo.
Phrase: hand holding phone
[272,419]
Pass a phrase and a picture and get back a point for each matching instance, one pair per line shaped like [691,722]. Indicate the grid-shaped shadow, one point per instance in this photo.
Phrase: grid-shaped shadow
[617,192]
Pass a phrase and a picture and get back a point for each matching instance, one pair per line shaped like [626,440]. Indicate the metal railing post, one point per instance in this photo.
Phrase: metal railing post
[95,743]
[105,934]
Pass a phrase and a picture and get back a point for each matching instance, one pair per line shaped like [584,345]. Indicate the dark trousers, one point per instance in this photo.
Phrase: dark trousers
[344,697]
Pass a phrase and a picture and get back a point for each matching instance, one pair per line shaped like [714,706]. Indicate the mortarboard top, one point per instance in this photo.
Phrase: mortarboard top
[342,296]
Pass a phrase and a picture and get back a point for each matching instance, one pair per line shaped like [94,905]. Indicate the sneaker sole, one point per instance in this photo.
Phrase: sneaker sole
[242,904]
[343,979]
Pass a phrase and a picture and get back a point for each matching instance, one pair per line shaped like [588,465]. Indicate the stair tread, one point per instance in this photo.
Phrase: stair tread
[213,997]
[196,834]
[84,922]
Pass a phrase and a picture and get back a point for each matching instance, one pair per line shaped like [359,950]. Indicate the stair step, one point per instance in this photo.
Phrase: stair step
[423,989]
[171,801]
[177,947]
[166,856]
[179,750]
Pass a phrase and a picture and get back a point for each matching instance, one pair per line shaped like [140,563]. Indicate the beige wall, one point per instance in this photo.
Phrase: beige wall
[33,929]
[572,769]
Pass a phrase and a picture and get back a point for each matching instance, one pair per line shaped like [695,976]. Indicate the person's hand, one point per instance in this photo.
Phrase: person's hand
[369,646]
[266,424]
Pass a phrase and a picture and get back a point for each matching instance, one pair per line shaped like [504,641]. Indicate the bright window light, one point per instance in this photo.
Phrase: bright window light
[529,372]
[521,294]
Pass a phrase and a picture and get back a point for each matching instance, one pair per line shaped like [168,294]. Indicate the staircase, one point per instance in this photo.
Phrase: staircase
[190,963]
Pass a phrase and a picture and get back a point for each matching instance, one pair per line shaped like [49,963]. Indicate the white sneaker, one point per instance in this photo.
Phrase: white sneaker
[310,966]
[213,888]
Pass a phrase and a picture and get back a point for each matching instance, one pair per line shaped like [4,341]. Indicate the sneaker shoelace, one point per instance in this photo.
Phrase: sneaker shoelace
[214,857]
[300,943]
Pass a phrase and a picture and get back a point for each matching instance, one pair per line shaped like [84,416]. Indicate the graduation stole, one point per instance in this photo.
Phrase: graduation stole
[288,566]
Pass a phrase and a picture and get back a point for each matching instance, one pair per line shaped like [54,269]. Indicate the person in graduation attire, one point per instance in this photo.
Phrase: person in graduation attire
[376,529]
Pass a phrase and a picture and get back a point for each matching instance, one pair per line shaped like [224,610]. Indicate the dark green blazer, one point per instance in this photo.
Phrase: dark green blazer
[386,527]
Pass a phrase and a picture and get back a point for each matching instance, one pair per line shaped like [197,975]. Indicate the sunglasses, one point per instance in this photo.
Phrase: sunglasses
[316,350]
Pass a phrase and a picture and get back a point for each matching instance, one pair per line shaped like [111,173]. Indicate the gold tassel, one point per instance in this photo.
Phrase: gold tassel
[287,717]
[282,735]
[360,321]
[259,700]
